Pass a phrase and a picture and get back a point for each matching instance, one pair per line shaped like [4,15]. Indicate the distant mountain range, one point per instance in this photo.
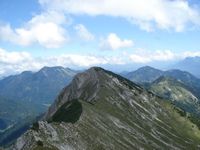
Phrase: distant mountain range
[190,64]
[39,87]
[146,75]
[27,95]
[178,93]
[102,110]
[142,75]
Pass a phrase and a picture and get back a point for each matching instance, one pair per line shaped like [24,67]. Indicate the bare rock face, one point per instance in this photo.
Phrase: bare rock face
[102,110]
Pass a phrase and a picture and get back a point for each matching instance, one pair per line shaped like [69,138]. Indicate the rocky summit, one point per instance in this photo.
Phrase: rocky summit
[101,110]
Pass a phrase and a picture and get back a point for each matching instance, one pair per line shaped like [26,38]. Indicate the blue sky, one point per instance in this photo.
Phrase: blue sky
[80,34]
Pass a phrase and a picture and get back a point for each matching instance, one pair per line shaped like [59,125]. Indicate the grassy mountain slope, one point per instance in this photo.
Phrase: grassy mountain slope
[188,79]
[101,110]
[178,93]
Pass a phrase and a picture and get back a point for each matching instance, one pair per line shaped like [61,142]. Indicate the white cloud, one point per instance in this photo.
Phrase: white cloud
[148,14]
[113,42]
[191,54]
[6,33]
[12,62]
[143,56]
[45,29]
[78,60]
[83,33]
[13,57]
[49,28]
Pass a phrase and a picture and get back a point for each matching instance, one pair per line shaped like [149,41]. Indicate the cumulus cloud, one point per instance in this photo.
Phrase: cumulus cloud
[113,42]
[49,28]
[151,14]
[83,33]
[45,29]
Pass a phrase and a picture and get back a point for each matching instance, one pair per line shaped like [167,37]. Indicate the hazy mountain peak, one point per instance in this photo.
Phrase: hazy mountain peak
[27,72]
[190,64]
[144,74]
[45,69]
[148,68]
[195,59]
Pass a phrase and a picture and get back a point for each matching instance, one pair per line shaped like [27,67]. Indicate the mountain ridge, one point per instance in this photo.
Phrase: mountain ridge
[111,113]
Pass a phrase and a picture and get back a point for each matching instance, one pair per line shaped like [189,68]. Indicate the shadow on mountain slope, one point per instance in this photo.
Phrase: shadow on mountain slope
[69,112]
